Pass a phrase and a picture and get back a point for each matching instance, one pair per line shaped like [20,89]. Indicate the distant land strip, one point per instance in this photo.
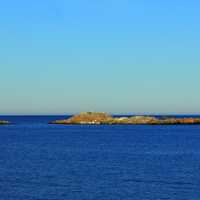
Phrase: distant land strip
[104,118]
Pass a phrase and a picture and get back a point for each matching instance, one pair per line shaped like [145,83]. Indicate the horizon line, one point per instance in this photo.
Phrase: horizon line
[111,113]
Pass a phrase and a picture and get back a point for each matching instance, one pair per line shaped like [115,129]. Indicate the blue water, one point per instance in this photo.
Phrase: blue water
[39,161]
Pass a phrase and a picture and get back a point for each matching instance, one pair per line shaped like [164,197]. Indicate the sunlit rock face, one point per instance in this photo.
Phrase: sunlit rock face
[87,118]
[188,120]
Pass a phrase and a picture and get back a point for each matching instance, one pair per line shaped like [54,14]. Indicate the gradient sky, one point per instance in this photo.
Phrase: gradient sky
[118,56]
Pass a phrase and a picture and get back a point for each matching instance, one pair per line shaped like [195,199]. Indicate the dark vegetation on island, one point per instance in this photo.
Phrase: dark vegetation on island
[103,118]
[4,122]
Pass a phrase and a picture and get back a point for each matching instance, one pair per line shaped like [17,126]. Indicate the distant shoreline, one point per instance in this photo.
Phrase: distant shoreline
[98,118]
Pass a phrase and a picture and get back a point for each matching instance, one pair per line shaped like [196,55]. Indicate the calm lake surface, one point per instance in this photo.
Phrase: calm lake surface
[39,161]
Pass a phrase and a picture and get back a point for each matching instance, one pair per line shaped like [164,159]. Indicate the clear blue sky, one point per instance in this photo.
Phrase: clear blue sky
[119,56]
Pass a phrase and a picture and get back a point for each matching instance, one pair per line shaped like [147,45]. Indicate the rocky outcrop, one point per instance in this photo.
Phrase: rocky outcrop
[4,122]
[103,118]
[188,120]
[87,118]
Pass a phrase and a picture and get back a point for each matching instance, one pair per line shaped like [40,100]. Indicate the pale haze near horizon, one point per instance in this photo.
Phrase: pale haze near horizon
[60,57]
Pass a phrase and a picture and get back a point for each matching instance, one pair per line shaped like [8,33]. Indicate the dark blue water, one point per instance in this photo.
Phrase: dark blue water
[39,161]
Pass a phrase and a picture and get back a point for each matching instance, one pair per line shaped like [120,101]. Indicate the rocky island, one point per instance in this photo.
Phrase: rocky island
[103,118]
[4,122]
